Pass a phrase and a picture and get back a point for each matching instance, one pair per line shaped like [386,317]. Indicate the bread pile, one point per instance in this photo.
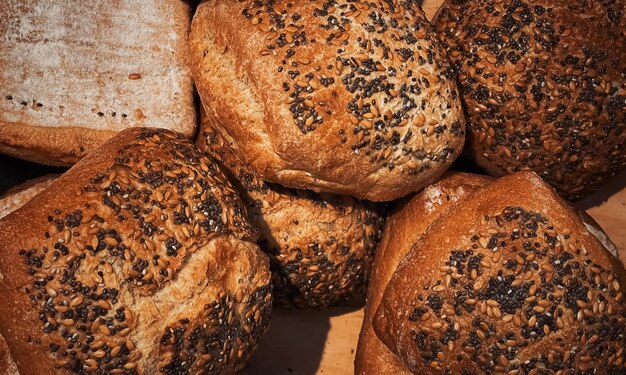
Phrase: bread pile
[166,246]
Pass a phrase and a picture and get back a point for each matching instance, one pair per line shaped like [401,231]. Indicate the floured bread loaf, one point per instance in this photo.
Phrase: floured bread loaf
[321,246]
[346,97]
[138,260]
[510,280]
[76,72]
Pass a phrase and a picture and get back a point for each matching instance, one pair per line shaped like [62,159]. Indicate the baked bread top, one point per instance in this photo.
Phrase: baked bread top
[405,225]
[76,72]
[139,259]
[544,86]
[354,98]
[510,280]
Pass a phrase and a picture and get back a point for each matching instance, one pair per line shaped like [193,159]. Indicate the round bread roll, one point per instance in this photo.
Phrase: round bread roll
[405,225]
[17,196]
[544,86]
[321,246]
[346,97]
[508,281]
[139,260]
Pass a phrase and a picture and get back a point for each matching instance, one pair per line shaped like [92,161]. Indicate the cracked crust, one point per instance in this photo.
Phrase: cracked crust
[335,97]
[139,259]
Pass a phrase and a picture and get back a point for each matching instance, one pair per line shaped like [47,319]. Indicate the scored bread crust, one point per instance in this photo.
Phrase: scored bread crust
[347,98]
[17,196]
[321,246]
[71,80]
[403,228]
[544,86]
[509,280]
[139,259]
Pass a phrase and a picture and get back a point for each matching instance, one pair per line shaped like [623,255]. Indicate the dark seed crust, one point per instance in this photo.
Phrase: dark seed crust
[321,246]
[521,287]
[544,86]
[348,97]
[138,260]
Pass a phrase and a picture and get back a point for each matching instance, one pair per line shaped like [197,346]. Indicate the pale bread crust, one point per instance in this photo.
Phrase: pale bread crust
[247,92]
[7,365]
[423,266]
[71,80]
[17,196]
[404,227]
[212,270]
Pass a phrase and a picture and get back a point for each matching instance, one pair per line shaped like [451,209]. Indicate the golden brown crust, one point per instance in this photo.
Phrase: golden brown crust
[321,246]
[17,196]
[403,228]
[509,280]
[139,259]
[72,80]
[338,97]
[544,86]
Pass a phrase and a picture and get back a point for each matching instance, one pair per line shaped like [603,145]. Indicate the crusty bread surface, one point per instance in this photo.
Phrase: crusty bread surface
[544,86]
[139,259]
[511,279]
[353,98]
[321,246]
[404,226]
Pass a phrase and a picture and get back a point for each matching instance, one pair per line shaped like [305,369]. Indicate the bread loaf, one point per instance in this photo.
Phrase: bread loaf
[544,86]
[76,72]
[321,246]
[511,280]
[17,196]
[405,225]
[343,97]
[139,259]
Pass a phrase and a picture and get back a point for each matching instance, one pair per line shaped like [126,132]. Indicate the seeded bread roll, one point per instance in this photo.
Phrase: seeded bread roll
[139,259]
[508,281]
[321,246]
[343,97]
[17,196]
[403,228]
[544,85]
[72,79]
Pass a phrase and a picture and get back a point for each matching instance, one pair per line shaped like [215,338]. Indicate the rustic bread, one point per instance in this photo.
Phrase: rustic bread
[71,79]
[17,196]
[344,97]
[139,259]
[508,281]
[544,86]
[403,228]
[321,246]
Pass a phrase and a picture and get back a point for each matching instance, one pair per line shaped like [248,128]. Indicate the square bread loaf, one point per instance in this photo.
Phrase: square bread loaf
[73,73]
